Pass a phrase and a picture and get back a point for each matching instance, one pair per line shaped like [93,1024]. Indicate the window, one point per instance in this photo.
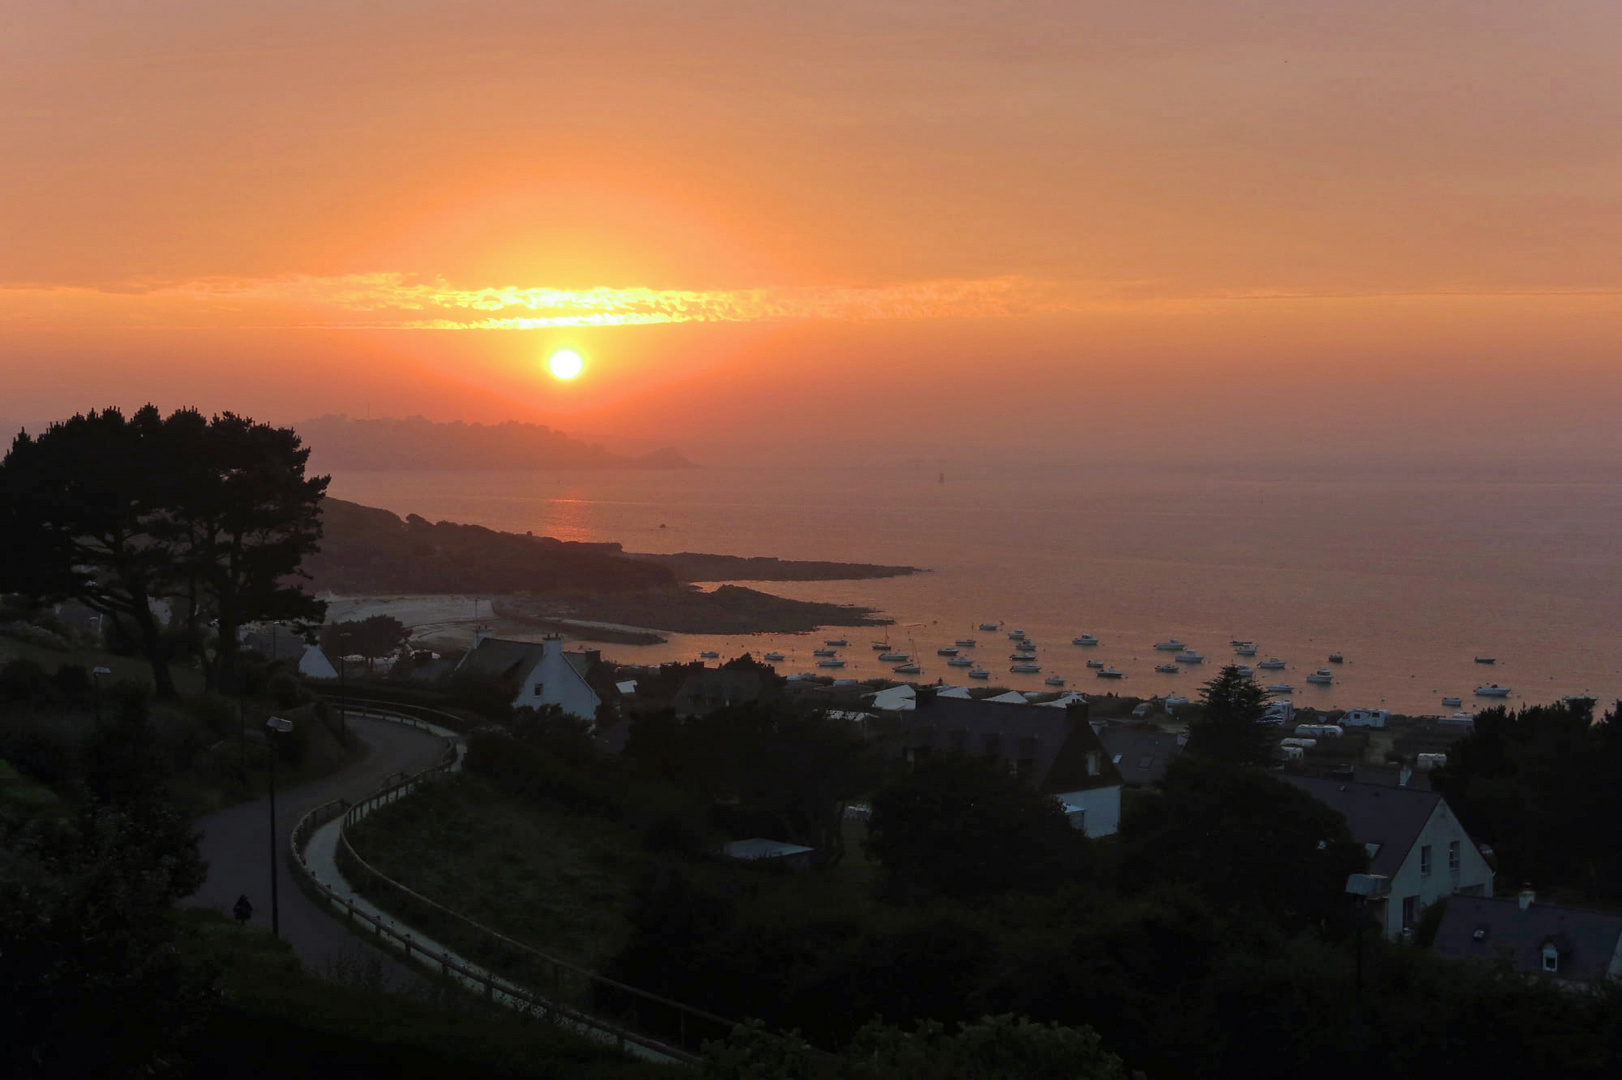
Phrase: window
[1453,856]
[1092,763]
[1551,957]
[1425,859]
[1410,912]
[538,688]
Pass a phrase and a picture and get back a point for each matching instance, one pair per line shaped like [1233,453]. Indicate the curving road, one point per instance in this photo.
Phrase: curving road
[236,843]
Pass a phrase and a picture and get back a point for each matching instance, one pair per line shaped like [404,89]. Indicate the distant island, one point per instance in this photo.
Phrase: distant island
[565,585]
[419,444]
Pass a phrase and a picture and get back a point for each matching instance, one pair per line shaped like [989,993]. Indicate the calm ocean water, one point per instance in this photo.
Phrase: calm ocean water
[1411,573]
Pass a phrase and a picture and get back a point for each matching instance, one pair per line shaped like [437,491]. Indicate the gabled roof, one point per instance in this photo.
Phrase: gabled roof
[500,660]
[1141,754]
[1054,742]
[1391,817]
[1586,940]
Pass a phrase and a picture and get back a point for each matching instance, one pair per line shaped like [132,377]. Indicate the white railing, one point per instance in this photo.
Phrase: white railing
[690,1026]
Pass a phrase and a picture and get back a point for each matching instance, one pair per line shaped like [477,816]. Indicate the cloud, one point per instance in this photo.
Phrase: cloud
[396,301]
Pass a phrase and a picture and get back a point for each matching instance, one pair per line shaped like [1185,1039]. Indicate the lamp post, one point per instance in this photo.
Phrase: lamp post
[1364,889]
[95,681]
[272,726]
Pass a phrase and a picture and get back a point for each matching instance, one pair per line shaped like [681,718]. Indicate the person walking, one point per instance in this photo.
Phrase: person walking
[242,909]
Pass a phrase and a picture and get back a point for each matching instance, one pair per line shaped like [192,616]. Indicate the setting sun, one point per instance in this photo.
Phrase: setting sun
[565,363]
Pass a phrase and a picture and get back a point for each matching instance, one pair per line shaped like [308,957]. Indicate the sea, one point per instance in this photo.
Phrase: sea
[1409,570]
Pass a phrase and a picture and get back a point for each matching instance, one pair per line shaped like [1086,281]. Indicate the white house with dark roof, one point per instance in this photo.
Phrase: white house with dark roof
[536,673]
[1413,838]
[1567,944]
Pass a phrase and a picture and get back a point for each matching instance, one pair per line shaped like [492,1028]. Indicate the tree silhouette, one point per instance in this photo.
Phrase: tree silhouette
[1231,730]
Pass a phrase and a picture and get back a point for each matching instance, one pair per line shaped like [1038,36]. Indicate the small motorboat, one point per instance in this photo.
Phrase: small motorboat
[988,626]
[773,657]
[824,652]
[830,663]
[1323,677]
[838,642]
[946,650]
[1486,659]
[1015,635]
[1272,663]
[1492,691]
[964,643]
[959,661]
[1053,680]
[1280,688]
[1236,643]
[1189,657]
[1026,668]
[1453,701]
[1170,645]
[709,654]
[1022,654]
[980,673]
[1244,671]
[895,657]
[1245,648]
[1336,658]
[1085,639]
[1096,665]
[908,669]
[881,646]
[1111,673]
[1164,669]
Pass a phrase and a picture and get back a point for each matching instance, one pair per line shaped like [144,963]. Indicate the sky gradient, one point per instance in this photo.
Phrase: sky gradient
[1249,224]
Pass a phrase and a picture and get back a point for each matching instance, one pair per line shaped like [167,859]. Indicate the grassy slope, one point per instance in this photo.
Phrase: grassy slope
[559,882]
[282,1020]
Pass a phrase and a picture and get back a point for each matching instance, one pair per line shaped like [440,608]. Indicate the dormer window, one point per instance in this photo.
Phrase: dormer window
[1480,935]
[1092,763]
[1551,957]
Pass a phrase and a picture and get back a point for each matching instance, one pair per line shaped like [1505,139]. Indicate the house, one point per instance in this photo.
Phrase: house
[1054,750]
[1413,838]
[1568,944]
[535,673]
[1140,754]
[716,688]
[1374,718]
[284,643]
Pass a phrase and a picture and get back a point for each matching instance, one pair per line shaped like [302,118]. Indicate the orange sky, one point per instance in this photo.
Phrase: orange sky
[1247,222]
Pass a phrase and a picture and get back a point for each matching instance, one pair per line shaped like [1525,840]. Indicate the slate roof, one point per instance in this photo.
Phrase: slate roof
[1053,741]
[1587,940]
[715,688]
[1140,754]
[501,661]
[1389,816]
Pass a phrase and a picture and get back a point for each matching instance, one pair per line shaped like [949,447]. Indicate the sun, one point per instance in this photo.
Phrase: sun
[565,364]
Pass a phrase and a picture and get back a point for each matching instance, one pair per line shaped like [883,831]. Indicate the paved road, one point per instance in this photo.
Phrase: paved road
[236,845]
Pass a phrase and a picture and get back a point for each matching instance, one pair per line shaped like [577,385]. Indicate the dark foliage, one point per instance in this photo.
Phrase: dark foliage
[1540,785]
[371,637]
[958,826]
[1230,728]
[1244,841]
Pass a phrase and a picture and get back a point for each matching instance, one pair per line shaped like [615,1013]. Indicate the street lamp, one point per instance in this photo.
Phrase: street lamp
[272,726]
[1364,889]
[95,681]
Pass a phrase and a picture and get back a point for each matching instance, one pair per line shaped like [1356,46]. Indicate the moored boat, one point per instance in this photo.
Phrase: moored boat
[773,657]
[1272,663]
[1084,639]
[1170,645]
[824,652]
[1164,669]
[988,626]
[1280,688]
[979,673]
[895,657]
[1492,691]
[1111,673]
[959,661]
[1453,701]
[1053,680]
[1336,658]
[830,663]
[946,650]
[1486,659]
[1323,676]
[1026,668]
[908,669]
[1189,657]
[709,654]
[964,643]
[838,642]
[1245,648]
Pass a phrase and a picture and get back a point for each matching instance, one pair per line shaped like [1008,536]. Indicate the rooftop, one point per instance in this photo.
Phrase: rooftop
[1485,928]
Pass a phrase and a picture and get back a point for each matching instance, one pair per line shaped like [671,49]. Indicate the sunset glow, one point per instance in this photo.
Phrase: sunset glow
[1138,206]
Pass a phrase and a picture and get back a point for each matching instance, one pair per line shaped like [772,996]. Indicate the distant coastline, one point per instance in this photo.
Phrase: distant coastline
[417,444]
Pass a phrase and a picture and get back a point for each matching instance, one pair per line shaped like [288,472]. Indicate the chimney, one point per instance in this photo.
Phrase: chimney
[1404,776]
[1526,897]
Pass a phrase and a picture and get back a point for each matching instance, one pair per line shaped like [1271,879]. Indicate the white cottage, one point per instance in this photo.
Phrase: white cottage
[537,673]
[1413,838]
